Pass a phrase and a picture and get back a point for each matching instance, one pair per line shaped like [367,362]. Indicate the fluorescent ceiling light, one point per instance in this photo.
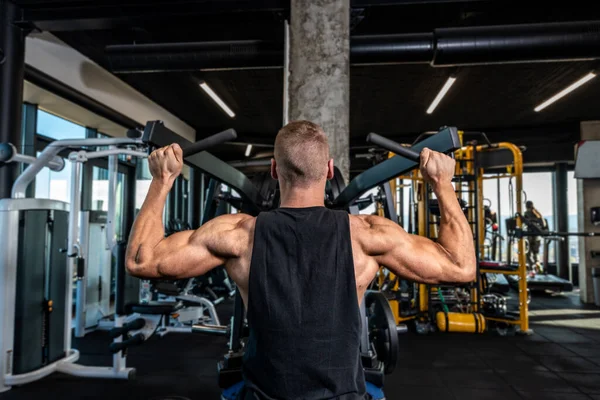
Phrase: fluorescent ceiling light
[566,91]
[217,99]
[441,94]
[248,150]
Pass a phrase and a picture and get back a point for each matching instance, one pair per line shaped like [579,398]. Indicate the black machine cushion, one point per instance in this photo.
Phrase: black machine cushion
[155,309]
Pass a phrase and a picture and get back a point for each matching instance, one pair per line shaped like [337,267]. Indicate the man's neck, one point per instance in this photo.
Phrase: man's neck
[303,197]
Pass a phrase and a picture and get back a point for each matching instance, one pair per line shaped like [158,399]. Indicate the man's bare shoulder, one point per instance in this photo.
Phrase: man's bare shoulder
[229,234]
[235,221]
[368,222]
[238,225]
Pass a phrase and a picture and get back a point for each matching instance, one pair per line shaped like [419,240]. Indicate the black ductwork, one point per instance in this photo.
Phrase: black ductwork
[158,57]
[569,41]
[409,48]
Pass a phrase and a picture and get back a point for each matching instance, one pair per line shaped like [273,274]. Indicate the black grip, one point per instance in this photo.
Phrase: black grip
[210,141]
[130,326]
[80,267]
[6,152]
[394,147]
[135,340]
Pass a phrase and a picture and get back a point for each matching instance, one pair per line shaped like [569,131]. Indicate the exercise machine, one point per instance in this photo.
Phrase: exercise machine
[482,304]
[41,252]
[40,255]
[543,281]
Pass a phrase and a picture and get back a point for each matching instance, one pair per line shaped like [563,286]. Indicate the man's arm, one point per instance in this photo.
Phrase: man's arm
[183,254]
[450,259]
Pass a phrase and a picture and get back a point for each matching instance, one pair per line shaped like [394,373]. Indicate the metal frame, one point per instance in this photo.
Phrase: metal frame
[515,172]
[472,155]
[9,221]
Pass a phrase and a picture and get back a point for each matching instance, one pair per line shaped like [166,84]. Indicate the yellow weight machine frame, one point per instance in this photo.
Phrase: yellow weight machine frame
[466,165]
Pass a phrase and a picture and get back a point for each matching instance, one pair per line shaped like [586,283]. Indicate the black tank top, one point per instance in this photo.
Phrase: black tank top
[303,311]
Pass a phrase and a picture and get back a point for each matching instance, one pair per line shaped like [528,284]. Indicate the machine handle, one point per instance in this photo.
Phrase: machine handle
[9,153]
[217,330]
[136,339]
[210,141]
[394,147]
[134,325]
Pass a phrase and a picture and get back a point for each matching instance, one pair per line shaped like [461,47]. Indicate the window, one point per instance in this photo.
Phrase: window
[50,184]
[55,127]
[499,195]
[100,193]
[142,182]
[54,185]
[538,189]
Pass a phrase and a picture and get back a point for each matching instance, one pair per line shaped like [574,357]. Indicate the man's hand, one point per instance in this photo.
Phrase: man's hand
[166,163]
[436,168]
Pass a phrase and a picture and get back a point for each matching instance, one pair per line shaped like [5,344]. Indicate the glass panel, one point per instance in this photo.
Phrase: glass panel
[53,185]
[142,183]
[572,201]
[538,187]
[504,206]
[55,127]
[100,196]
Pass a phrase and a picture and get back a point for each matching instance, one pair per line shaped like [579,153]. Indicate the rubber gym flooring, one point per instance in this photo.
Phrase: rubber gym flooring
[561,361]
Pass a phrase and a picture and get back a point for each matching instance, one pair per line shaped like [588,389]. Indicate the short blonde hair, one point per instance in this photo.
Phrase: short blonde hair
[301,153]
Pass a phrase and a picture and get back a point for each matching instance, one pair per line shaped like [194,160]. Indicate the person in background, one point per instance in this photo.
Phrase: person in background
[536,223]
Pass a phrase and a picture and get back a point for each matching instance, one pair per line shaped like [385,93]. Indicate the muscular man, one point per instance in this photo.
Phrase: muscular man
[302,269]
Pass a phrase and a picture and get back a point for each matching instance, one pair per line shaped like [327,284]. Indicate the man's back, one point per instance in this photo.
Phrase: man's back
[302,306]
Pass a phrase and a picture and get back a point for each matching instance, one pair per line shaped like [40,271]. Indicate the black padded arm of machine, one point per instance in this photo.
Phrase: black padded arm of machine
[134,325]
[135,340]
[445,141]
[156,134]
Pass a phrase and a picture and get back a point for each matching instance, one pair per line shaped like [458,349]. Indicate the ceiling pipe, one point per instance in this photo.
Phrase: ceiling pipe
[159,57]
[444,47]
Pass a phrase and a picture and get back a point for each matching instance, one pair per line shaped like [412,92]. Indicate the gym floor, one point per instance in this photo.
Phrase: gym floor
[561,361]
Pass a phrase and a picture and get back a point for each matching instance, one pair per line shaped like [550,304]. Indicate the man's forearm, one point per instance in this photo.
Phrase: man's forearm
[455,233]
[148,229]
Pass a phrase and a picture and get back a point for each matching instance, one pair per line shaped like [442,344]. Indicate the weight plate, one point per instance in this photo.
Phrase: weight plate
[382,329]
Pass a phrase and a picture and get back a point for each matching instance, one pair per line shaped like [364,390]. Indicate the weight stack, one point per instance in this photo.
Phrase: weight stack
[33,283]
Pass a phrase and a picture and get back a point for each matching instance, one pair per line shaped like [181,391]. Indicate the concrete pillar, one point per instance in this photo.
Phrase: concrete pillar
[319,82]
[12,68]
[588,196]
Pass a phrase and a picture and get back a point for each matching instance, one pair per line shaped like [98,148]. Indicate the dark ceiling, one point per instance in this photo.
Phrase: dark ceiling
[387,99]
